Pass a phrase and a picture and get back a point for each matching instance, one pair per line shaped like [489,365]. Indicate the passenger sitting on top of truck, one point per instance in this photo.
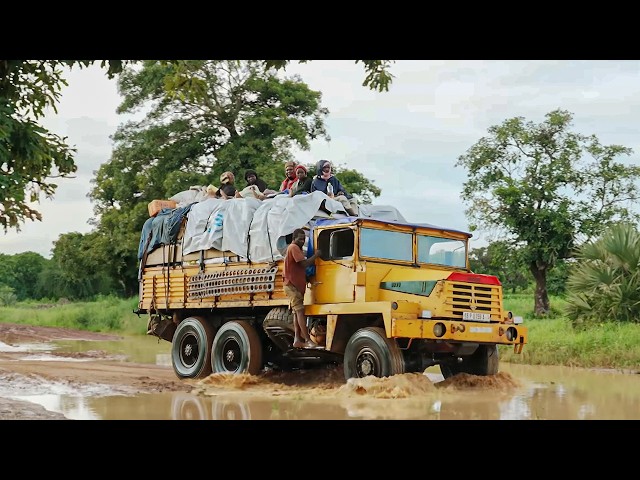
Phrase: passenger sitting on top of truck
[252,178]
[256,187]
[289,170]
[324,178]
[227,188]
[303,183]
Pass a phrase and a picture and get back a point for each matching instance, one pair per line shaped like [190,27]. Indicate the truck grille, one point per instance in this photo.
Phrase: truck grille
[473,297]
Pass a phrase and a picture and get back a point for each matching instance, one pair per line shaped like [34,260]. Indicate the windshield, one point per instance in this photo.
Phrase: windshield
[442,251]
[386,244]
[398,246]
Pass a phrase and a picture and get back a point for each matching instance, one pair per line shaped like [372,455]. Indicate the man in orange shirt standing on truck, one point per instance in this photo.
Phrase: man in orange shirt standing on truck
[295,285]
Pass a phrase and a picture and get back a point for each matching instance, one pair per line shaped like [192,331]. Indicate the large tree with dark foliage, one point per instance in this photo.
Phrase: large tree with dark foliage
[202,118]
[32,157]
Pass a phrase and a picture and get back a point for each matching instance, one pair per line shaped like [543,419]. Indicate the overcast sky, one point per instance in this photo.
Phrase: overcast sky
[406,140]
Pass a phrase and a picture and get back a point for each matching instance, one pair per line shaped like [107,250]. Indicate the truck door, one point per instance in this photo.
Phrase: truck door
[334,281]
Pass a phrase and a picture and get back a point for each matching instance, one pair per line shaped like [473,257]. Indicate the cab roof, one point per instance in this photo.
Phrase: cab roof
[323,222]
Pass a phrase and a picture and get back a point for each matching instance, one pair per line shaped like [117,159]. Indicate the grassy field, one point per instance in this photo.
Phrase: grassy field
[106,315]
[552,340]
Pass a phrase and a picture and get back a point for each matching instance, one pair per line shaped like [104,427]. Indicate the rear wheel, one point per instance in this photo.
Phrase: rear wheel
[236,349]
[370,352]
[191,348]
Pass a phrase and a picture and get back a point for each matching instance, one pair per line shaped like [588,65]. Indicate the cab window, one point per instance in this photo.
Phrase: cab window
[336,244]
[447,252]
[387,245]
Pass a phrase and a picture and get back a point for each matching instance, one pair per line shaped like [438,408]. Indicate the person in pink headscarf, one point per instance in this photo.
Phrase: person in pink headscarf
[303,183]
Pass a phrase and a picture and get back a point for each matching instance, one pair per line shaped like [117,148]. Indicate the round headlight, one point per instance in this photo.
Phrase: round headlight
[439,329]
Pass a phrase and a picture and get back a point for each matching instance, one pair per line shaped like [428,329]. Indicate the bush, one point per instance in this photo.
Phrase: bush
[7,296]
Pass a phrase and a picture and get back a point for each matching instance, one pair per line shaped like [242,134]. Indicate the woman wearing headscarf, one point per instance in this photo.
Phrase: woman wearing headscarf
[324,178]
[303,183]
[252,178]
[290,176]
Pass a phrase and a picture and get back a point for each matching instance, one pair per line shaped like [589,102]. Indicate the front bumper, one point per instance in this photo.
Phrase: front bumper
[461,331]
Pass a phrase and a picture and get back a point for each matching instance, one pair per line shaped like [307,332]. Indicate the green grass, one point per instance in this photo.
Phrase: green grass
[108,314]
[552,340]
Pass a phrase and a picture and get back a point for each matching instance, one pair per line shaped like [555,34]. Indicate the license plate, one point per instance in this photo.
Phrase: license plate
[476,316]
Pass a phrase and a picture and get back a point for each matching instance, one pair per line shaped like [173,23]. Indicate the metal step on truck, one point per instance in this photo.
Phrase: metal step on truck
[386,296]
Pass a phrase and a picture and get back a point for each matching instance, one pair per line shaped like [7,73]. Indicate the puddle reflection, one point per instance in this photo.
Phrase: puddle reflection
[519,392]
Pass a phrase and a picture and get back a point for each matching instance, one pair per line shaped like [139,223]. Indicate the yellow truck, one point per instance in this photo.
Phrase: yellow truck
[386,297]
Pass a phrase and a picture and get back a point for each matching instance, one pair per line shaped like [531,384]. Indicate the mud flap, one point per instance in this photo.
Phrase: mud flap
[161,328]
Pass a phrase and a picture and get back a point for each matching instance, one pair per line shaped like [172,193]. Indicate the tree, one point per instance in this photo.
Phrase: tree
[503,261]
[26,267]
[7,295]
[557,277]
[82,265]
[6,272]
[547,188]
[31,156]
[604,282]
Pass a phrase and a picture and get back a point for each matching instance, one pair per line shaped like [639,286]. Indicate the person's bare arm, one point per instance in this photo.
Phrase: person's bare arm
[309,261]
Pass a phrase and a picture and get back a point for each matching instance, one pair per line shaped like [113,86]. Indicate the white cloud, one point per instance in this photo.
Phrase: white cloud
[406,140]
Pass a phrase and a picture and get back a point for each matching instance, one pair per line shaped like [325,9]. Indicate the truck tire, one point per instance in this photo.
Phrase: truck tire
[278,325]
[484,361]
[191,348]
[370,352]
[236,349]
[279,317]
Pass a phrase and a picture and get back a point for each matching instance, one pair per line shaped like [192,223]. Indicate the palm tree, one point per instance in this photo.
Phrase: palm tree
[604,283]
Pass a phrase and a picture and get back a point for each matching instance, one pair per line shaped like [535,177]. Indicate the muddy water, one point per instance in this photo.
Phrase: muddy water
[517,392]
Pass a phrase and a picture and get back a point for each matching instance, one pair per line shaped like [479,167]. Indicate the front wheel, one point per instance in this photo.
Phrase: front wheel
[237,349]
[191,348]
[484,361]
[370,352]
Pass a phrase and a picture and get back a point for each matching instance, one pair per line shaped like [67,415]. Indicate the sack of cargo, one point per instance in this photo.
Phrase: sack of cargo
[156,205]
[194,194]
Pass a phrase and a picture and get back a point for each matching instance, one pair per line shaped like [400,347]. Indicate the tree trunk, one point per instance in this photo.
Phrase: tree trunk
[541,297]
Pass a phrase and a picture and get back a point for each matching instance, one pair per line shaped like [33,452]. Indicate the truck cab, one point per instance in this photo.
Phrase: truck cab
[408,289]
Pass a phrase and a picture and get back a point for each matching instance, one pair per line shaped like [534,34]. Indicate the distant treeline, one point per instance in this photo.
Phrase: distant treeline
[75,274]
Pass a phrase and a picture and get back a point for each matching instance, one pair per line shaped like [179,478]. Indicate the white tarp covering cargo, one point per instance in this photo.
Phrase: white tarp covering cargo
[251,228]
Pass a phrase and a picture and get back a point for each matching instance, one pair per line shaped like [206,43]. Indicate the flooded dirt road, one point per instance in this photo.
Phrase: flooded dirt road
[62,374]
